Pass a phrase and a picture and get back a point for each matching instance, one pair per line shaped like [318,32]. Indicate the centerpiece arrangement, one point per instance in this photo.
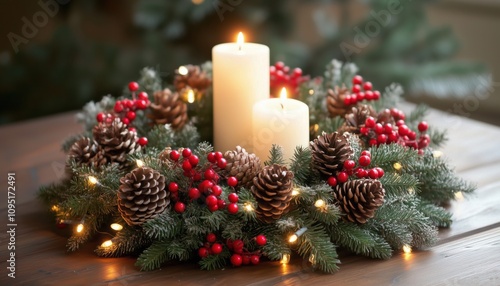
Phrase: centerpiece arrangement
[337,165]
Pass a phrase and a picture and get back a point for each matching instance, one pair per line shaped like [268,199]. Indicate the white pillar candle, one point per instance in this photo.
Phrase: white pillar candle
[240,79]
[281,121]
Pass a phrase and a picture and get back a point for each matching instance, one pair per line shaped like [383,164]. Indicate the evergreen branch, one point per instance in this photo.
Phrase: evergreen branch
[160,136]
[438,137]
[127,241]
[276,245]
[233,229]
[385,155]
[389,98]
[315,246]
[399,184]
[187,137]
[91,223]
[416,115]
[154,256]
[301,165]
[166,225]
[328,215]
[330,124]
[177,249]
[246,198]
[275,156]
[439,216]
[358,240]
[213,262]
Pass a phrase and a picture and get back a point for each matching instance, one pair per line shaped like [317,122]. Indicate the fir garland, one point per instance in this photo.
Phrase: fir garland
[312,225]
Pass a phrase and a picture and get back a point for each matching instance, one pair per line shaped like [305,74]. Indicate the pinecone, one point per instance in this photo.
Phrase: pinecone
[142,195]
[242,165]
[167,107]
[329,151]
[272,188]
[116,140]
[359,199]
[195,79]
[335,101]
[385,117]
[356,117]
[87,152]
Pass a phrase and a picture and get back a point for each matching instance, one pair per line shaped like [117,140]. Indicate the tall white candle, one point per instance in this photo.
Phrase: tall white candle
[281,121]
[240,79]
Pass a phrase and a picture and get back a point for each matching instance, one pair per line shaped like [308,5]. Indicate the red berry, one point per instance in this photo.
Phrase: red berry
[400,122]
[218,156]
[356,88]
[369,95]
[143,141]
[232,208]
[203,252]
[179,207]
[357,79]
[213,208]
[297,72]
[403,130]
[412,135]
[126,121]
[186,153]
[216,248]
[261,240]
[387,128]
[380,172]
[255,259]
[131,115]
[221,163]
[279,65]
[354,98]
[245,259]
[211,200]
[364,130]
[211,237]
[332,181]
[342,177]
[132,129]
[381,139]
[364,160]
[236,259]
[141,104]
[118,107]
[100,117]
[233,197]
[373,173]
[205,186]
[366,153]
[127,103]
[174,155]
[372,142]
[347,100]
[361,173]
[194,193]
[133,86]
[216,190]
[393,137]
[361,96]
[186,166]
[376,95]
[379,129]
[209,174]
[238,246]
[232,181]
[221,204]
[370,122]
[173,187]
[194,160]
[349,164]
[143,95]
[423,126]
[211,157]
[367,85]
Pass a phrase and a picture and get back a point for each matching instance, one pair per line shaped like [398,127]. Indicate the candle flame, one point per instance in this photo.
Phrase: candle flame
[283,94]
[240,40]
[190,96]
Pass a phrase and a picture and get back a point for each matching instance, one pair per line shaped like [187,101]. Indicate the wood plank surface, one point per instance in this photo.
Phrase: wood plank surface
[468,253]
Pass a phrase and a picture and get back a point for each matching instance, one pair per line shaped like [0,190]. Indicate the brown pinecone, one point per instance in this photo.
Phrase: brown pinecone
[142,195]
[195,79]
[272,189]
[87,152]
[116,140]
[335,101]
[168,107]
[242,165]
[359,199]
[355,118]
[385,117]
[329,151]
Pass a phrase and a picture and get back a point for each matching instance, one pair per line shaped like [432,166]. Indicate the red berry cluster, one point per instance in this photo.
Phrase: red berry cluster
[207,191]
[361,91]
[380,132]
[210,247]
[360,171]
[282,76]
[242,256]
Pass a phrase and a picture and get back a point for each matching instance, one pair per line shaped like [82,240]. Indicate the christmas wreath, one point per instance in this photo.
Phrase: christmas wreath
[143,175]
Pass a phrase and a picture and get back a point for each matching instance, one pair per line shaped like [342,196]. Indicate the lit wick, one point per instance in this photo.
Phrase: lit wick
[240,40]
[282,98]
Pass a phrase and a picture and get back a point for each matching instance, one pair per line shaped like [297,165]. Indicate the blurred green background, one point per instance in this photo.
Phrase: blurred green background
[57,55]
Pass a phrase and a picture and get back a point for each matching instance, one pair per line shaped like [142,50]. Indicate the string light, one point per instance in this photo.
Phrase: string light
[190,96]
[54,208]
[293,238]
[437,154]
[295,192]
[316,127]
[411,191]
[285,258]
[116,226]
[397,166]
[92,180]
[107,243]
[406,249]
[311,91]
[79,228]
[182,70]
[139,163]
[248,207]
[459,196]
[197,2]
[319,203]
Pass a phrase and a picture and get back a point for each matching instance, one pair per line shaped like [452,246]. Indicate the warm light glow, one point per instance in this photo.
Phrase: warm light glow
[79,228]
[54,208]
[311,91]
[240,40]
[116,226]
[316,127]
[319,203]
[285,258]
[437,154]
[107,243]
[459,196]
[283,95]
[293,238]
[190,96]
[411,191]
[182,70]
[295,192]
[197,2]
[92,180]
[397,166]
[406,249]
[248,207]
[139,163]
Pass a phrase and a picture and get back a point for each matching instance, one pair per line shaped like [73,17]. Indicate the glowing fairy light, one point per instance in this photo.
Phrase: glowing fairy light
[182,70]
[248,207]
[293,238]
[190,96]
[295,192]
[436,154]
[116,226]
[406,249]
[139,163]
[319,203]
[79,228]
[285,258]
[92,180]
[397,166]
[107,243]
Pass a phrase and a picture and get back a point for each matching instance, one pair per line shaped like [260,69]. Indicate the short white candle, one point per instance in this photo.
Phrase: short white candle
[240,79]
[281,121]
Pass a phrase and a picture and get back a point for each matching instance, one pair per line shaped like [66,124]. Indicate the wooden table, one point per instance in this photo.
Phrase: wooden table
[468,253]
